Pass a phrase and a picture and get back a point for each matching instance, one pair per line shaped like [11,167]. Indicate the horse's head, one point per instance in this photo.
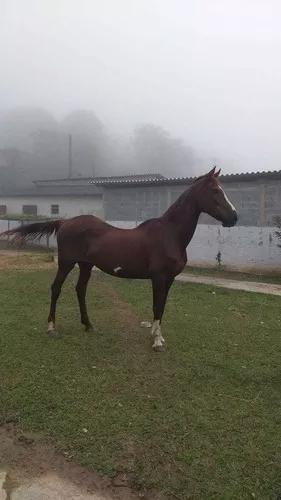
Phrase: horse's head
[212,199]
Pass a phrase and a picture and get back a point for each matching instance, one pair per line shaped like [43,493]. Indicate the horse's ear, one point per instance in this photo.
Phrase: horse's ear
[211,173]
[217,173]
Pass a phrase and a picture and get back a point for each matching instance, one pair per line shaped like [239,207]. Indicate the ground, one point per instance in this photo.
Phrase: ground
[200,421]
[33,470]
[231,283]
[12,257]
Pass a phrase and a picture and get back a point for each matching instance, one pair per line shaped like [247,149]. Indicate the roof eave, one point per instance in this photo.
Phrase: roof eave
[245,176]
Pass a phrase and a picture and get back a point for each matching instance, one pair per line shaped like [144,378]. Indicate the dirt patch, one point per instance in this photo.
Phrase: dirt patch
[126,312]
[30,464]
[18,259]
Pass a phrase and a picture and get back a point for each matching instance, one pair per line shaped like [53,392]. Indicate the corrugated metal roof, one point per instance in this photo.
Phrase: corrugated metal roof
[70,180]
[49,194]
[87,186]
[150,180]
[154,178]
[100,179]
[128,179]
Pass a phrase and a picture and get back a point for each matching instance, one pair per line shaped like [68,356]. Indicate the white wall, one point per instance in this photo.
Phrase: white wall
[68,206]
[241,247]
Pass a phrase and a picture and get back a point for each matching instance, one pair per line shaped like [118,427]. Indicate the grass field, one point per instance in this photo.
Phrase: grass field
[200,421]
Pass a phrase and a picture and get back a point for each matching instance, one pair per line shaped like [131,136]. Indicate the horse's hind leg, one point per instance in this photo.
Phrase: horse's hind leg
[63,270]
[81,288]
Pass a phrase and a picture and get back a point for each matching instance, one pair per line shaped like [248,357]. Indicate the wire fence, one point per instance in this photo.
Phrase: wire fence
[6,224]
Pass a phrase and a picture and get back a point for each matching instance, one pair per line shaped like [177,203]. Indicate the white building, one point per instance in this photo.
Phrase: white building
[63,197]
[55,198]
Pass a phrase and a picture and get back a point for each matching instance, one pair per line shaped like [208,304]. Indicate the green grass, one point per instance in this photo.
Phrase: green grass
[200,421]
[220,272]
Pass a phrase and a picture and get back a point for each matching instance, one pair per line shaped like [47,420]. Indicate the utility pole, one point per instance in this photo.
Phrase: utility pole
[69,156]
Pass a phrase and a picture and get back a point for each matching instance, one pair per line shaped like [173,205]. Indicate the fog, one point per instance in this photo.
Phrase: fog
[206,72]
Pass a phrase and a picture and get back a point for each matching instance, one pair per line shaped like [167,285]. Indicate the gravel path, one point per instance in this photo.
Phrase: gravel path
[247,286]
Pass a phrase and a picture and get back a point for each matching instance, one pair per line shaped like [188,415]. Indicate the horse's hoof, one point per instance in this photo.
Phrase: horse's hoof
[89,328]
[158,348]
[52,333]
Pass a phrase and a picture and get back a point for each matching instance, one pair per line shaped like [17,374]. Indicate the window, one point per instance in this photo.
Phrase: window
[3,209]
[29,209]
[55,209]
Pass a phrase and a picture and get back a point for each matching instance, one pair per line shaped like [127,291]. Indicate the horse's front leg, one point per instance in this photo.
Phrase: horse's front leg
[160,285]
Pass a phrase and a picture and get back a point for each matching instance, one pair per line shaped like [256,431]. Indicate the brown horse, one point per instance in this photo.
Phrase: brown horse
[155,250]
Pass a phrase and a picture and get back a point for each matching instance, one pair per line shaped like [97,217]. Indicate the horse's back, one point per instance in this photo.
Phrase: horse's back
[75,234]
[84,223]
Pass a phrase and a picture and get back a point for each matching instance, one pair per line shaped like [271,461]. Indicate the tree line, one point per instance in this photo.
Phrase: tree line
[34,145]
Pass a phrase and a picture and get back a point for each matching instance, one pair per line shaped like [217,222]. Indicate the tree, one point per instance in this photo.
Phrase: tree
[50,153]
[18,126]
[14,170]
[89,142]
[32,131]
[156,151]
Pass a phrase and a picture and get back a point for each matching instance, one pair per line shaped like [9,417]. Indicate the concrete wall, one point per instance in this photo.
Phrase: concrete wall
[245,248]
[68,206]
[135,203]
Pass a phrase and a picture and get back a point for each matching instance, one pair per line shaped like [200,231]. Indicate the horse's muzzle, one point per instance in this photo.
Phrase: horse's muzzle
[232,220]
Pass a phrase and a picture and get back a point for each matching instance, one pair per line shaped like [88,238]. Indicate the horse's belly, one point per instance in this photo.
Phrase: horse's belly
[120,273]
[123,271]
[122,265]
[126,260]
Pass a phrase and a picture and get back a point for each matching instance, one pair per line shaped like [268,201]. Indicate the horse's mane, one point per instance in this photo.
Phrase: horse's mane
[146,222]
[199,178]
[186,193]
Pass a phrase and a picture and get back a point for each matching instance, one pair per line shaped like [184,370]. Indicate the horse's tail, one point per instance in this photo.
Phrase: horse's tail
[34,231]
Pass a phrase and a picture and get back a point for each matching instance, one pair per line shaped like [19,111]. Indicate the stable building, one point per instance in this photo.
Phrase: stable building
[256,196]
[54,198]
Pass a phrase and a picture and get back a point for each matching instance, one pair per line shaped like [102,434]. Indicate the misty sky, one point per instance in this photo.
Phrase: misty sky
[207,70]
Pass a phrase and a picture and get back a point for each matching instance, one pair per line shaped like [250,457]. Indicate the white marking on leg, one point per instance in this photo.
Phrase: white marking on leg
[51,326]
[146,324]
[227,199]
[157,334]
[116,269]
[155,326]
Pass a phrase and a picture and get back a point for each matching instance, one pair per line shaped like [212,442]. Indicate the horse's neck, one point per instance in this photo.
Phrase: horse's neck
[183,216]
